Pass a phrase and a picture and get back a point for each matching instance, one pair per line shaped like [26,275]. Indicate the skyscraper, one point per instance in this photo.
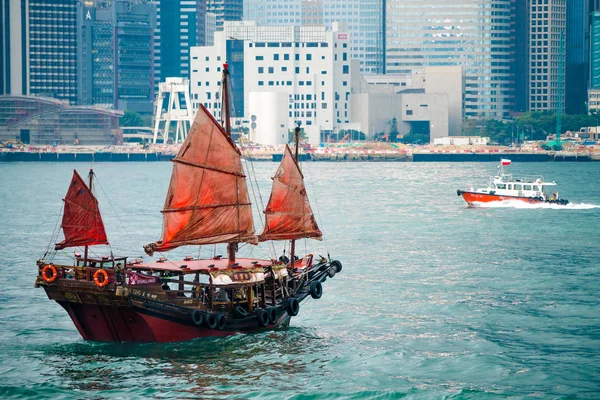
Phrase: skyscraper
[594,90]
[473,33]
[547,55]
[180,24]
[39,48]
[225,10]
[364,19]
[116,54]
[577,52]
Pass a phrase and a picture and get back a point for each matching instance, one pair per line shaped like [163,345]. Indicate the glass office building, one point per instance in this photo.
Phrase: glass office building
[473,33]
[364,19]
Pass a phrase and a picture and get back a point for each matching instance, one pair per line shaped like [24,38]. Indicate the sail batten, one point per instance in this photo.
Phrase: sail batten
[288,213]
[207,201]
[209,167]
[81,222]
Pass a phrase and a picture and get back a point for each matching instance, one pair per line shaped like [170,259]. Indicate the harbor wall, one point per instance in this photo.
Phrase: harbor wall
[105,156]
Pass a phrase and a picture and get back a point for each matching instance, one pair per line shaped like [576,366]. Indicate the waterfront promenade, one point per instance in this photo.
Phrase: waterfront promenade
[377,151]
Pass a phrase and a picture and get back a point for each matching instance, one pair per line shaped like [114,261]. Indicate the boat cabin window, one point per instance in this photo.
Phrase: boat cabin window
[501,185]
[526,187]
[518,186]
[509,186]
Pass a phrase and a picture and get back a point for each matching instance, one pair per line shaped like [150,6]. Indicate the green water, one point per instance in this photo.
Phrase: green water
[435,300]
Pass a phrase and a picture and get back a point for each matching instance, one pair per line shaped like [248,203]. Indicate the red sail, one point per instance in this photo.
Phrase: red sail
[82,222]
[288,214]
[207,201]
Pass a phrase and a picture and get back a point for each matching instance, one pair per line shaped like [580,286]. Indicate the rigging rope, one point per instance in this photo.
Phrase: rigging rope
[251,173]
[317,205]
[54,234]
[117,215]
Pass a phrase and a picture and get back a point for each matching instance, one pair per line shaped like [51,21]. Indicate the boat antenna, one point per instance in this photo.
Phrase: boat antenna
[297,138]
[226,117]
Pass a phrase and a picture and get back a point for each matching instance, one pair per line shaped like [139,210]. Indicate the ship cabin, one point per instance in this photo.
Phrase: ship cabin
[214,284]
[520,186]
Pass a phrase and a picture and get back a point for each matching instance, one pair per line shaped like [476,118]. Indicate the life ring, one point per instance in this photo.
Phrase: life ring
[97,281]
[52,269]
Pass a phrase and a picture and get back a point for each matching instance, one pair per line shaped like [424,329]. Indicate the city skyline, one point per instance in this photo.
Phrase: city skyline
[534,55]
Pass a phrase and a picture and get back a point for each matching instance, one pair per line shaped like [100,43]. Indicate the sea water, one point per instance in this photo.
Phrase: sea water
[435,300]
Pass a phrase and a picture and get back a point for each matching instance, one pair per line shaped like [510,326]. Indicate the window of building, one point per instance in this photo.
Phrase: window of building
[207,69]
[259,58]
[297,70]
[283,69]
[207,58]
[271,83]
[308,57]
[345,57]
[409,112]
[261,83]
[286,57]
[261,70]
[323,106]
[271,70]
[276,57]
[345,69]
[297,56]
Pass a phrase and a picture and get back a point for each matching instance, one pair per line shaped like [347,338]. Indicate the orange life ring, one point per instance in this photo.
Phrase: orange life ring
[104,281]
[52,269]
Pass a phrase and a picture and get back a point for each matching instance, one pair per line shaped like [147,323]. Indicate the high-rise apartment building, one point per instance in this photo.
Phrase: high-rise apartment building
[39,48]
[475,34]
[547,55]
[364,19]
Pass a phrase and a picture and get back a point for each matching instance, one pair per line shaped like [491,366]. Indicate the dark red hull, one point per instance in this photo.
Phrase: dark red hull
[110,323]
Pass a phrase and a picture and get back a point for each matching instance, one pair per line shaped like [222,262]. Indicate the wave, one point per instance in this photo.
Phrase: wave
[522,204]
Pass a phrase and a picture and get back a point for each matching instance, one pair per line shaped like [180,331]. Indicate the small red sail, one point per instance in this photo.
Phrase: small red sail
[207,201]
[288,213]
[81,222]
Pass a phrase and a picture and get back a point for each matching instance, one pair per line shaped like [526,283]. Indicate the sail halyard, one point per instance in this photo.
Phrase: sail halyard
[288,213]
[81,222]
[225,115]
[207,201]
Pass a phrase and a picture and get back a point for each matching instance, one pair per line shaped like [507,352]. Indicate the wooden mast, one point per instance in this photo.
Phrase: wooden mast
[293,242]
[225,116]
[85,252]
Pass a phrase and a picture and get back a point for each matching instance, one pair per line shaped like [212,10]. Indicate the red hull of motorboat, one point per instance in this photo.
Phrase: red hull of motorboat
[108,323]
[472,197]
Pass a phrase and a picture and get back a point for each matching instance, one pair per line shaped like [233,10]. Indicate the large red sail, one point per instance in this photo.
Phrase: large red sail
[288,213]
[81,222]
[207,201]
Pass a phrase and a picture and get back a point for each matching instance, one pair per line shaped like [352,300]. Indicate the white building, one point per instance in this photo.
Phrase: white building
[309,64]
[430,95]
